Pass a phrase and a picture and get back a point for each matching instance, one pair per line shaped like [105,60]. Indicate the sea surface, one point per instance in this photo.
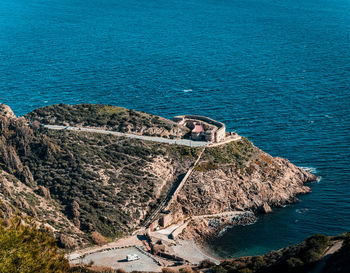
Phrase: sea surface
[277,72]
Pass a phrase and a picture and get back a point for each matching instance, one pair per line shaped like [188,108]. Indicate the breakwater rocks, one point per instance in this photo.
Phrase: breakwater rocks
[208,227]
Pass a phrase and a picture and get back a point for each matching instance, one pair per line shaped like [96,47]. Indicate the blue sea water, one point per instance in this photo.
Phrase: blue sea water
[277,72]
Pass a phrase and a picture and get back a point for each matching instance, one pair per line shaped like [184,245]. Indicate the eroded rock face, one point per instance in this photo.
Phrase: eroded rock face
[28,176]
[265,208]
[11,159]
[15,137]
[6,111]
[66,241]
[266,182]
[16,196]
[44,192]
[211,227]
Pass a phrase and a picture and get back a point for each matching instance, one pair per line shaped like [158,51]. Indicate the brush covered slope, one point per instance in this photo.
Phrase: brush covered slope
[318,253]
[109,118]
[83,185]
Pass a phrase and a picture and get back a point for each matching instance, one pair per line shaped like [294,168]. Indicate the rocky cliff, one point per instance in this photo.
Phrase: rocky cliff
[249,180]
[235,177]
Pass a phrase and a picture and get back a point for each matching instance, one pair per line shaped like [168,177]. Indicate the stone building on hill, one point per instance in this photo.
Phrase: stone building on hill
[203,128]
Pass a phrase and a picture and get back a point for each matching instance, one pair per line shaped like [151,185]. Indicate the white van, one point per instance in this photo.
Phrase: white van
[132,257]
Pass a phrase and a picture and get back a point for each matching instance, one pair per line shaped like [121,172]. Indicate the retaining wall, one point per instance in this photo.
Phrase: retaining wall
[178,231]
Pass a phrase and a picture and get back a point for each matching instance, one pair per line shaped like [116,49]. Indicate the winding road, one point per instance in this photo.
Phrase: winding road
[183,142]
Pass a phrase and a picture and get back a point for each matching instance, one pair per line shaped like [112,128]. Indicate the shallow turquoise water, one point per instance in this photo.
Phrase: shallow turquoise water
[275,71]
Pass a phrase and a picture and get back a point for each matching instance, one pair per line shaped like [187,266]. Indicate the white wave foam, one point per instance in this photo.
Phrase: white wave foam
[301,210]
[309,169]
[187,90]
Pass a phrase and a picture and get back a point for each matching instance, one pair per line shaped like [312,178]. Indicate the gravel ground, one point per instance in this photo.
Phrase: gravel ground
[117,259]
[191,252]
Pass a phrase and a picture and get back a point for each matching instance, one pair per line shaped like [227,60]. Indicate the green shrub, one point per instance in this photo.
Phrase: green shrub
[24,248]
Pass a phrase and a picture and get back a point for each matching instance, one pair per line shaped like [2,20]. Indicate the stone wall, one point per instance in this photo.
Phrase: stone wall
[220,134]
[166,220]
[179,230]
[154,225]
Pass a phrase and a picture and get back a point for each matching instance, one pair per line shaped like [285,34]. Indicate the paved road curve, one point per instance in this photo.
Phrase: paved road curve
[183,142]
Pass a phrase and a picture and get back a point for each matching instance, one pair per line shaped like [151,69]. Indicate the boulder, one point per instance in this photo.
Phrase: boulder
[28,176]
[97,238]
[265,208]
[66,241]
[44,192]
[6,111]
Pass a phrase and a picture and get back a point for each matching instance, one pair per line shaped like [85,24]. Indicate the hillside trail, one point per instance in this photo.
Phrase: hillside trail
[172,192]
[329,251]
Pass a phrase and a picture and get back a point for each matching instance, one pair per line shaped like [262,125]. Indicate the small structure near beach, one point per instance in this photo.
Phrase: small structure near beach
[203,128]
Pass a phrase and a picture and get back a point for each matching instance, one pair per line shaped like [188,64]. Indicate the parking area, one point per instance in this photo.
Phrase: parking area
[116,258]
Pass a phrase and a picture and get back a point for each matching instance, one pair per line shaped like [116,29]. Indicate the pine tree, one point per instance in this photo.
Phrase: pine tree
[24,248]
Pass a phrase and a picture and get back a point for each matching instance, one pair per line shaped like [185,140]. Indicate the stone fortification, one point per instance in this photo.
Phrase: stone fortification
[203,127]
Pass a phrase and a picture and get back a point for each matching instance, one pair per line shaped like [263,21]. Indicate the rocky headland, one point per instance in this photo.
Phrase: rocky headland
[236,177]
[89,187]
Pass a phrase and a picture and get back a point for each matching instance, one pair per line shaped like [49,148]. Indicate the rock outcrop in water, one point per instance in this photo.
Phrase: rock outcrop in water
[6,111]
[80,183]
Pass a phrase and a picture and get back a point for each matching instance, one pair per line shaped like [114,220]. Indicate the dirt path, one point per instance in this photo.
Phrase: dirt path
[222,214]
[322,263]
[172,193]
[334,248]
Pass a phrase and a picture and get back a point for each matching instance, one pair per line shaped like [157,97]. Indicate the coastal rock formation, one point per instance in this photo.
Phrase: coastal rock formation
[6,111]
[265,208]
[259,182]
[208,228]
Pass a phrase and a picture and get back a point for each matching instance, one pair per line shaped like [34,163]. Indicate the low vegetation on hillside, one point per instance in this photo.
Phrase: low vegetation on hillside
[296,258]
[85,182]
[339,261]
[238,154]
[102,181]
[25,248]
[107,117]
